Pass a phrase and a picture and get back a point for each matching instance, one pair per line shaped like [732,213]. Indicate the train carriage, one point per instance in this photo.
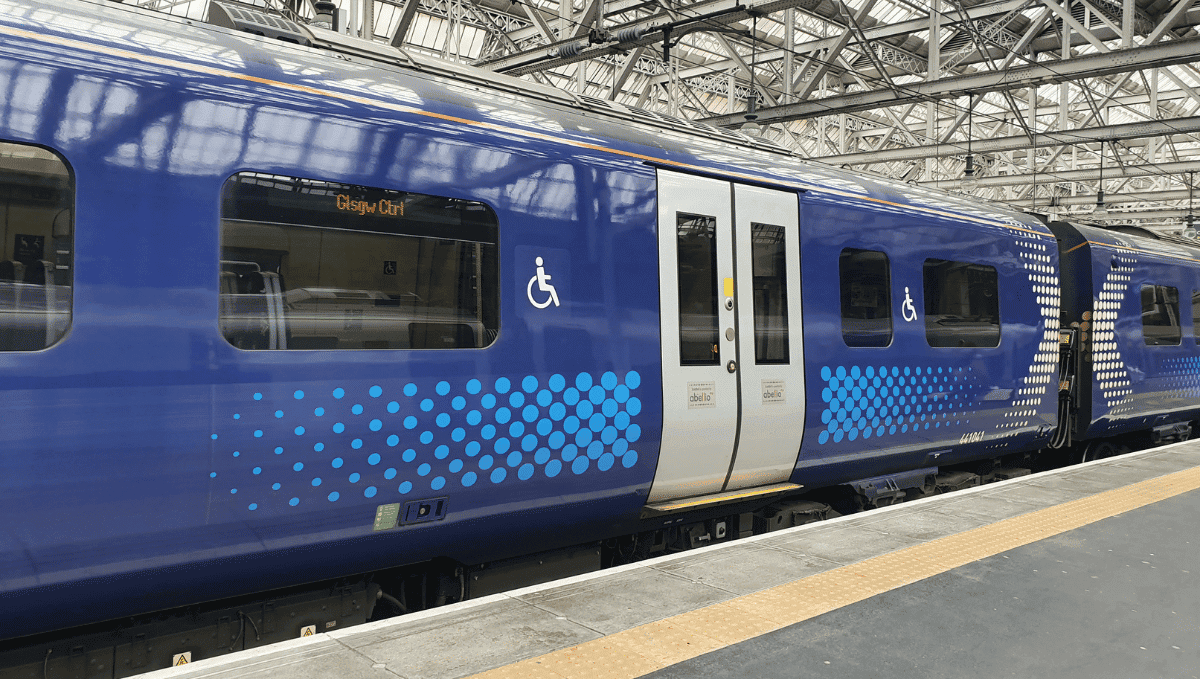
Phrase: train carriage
[1129,303]
[941,346]
[275,314]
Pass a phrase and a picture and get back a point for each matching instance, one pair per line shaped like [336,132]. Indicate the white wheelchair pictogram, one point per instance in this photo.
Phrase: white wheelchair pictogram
[543,281]
[910,311]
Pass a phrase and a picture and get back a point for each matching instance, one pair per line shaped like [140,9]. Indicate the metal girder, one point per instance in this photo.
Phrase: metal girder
[539,21]
[827,61]
[1088,175]
[406,18]
[1148,214]
[1108,133]
[890,54]
[994,31]
[545,57]
[1088,66]
[1112,198]
[1171,18]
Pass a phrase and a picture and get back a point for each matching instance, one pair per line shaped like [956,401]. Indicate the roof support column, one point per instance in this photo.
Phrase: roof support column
[932,72]
[789,56]
[1127,10]
[1031,153]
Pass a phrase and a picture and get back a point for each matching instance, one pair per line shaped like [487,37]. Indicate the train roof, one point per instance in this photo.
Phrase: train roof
[1131,241]
[345,69]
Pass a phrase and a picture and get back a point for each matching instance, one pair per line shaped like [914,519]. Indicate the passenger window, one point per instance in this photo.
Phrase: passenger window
[37,198]
[962,306]
[769,252]
[696,247]
[309,264]
[1160,315]
[866,298]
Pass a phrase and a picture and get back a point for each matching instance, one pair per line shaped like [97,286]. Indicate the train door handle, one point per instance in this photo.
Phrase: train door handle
[731,366]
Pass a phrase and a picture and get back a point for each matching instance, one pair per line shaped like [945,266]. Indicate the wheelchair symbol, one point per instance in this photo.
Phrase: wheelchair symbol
[910,311]
[543,281]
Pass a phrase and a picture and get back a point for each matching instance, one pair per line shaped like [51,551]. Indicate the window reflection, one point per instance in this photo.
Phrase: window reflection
[308,264]
[962,307]
[37,193]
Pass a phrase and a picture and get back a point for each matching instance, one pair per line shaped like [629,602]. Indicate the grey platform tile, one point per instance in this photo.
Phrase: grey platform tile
[1163,465]
[1186,452]
[749,569]
[315,658]
[924,525]
[986,507]
[455,646]
[612,603]
[1045,495]
[1113,474]
[1078,483]
[841,544]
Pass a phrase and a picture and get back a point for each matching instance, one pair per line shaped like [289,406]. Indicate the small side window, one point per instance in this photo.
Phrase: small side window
[1160,315]
[866,298]
[962,306]
[309,264]
[37,198]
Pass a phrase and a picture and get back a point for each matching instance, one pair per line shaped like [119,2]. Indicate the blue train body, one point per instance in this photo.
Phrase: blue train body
[149,463]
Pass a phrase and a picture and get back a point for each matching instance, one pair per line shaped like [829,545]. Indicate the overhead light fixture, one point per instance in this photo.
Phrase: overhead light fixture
[1101,210]
[969,182]
[325,12]
[751,127]
[1189,229]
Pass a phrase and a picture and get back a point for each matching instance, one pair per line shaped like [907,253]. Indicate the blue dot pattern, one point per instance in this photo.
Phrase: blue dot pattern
[392,440]
[866,402]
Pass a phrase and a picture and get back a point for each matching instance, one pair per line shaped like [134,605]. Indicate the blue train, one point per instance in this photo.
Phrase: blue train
[309,310]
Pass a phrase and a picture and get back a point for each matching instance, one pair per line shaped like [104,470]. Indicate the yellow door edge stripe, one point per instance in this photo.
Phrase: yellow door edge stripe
[647,648]
[412,110]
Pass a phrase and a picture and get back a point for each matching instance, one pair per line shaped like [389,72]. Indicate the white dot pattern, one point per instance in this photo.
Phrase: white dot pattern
[1108,368]
[1038,259]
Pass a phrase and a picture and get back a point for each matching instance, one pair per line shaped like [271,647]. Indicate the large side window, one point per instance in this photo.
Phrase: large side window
[866,298]
[37,197]
[768,250]
[962,306]
[1160,314]
[696,244]
[309,264]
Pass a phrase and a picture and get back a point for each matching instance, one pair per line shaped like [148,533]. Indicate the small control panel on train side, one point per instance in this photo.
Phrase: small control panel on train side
[418,511]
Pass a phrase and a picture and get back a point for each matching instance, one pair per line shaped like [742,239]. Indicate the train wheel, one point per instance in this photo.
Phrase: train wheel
[1097,450]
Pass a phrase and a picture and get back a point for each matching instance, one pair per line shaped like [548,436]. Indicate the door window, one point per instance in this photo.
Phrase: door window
[696,243]
[769,254]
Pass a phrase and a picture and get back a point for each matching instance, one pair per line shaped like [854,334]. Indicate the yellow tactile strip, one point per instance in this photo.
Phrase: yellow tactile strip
[641,650]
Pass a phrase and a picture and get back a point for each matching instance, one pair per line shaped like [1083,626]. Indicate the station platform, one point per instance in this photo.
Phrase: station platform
[1079,572]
